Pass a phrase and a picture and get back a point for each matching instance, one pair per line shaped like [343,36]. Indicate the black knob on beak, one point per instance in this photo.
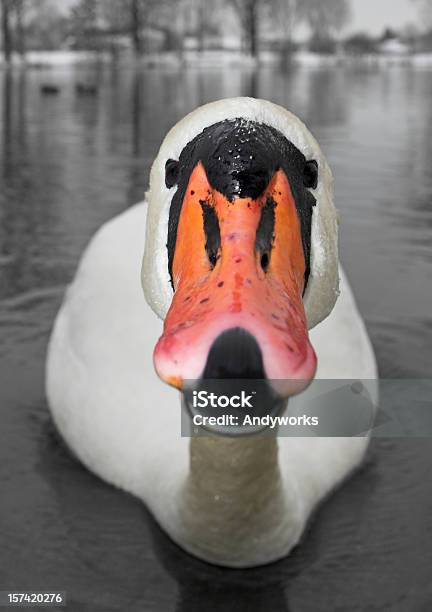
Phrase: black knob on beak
[234,354]
[235,370]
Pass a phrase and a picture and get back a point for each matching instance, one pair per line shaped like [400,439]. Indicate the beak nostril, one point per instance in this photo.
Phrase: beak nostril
[213,257]
[212,233]
[265,232]
[264,262]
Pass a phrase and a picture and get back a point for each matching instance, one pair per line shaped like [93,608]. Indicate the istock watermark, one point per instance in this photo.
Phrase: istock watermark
[231,407]
[327,408]
[229,420]
[204,399]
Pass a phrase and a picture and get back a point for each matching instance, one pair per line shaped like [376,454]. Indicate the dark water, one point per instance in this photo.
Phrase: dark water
[68,163]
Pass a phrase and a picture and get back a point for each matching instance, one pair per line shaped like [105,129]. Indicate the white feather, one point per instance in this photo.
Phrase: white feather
[123,423]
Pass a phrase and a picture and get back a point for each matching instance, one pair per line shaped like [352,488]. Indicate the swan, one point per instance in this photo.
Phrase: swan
[238,243]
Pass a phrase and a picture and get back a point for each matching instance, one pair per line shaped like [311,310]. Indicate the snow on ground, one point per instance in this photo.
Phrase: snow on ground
[218,59]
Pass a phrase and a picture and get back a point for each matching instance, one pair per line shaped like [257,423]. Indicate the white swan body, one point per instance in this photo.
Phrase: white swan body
[123,423]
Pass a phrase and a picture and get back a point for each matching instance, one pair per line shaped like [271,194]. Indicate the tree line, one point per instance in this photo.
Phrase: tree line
[90,23]
[12,27]
[97,24]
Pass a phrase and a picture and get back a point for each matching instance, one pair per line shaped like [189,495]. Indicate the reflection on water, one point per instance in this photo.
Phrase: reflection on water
[69,162]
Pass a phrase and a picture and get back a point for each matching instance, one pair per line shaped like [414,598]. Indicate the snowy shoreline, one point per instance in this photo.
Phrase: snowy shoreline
[214,59]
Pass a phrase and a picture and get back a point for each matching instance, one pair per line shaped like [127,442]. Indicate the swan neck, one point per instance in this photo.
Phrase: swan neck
[222,464]
[233,498]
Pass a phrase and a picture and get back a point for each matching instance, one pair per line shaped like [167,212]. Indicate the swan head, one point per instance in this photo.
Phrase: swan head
[241,251]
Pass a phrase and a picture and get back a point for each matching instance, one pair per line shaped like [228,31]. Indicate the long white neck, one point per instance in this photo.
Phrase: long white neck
[234,505]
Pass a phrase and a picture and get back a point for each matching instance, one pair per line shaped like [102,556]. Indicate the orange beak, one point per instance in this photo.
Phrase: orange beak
[238,264]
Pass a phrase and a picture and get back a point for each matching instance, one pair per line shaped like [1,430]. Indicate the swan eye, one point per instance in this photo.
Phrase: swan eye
[310,174]
[172,168]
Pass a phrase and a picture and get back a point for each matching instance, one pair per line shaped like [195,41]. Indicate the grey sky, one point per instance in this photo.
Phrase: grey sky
[373,15]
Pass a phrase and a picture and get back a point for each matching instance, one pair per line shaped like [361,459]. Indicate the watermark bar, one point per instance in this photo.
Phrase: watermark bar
[328,408]
[32,599]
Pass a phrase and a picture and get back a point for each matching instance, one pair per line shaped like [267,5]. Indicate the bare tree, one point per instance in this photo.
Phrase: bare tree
[132,16]
[136,26]
[84,23]
[124,16]
[326,18]
[40,24]
[201,14]
[281,12]
[248,12]
[286,13]
[6,30]
[13,27]
[19,6]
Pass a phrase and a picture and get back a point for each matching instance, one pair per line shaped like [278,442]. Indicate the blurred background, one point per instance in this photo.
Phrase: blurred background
[88,89]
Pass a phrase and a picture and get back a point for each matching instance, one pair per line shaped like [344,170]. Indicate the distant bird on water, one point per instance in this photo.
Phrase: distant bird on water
[48,89]
[86,89]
